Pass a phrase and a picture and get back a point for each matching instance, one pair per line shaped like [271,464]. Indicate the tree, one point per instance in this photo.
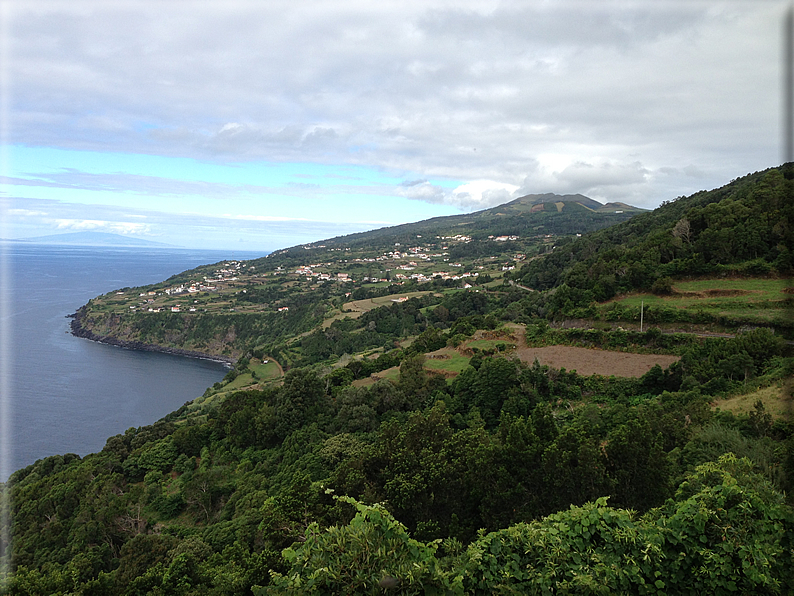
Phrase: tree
[683,230]
[638,465]
[373,553]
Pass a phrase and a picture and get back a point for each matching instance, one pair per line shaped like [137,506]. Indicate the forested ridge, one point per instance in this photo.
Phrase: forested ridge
[741,228]
[505,476]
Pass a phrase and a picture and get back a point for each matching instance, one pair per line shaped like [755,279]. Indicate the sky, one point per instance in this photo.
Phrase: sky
[260,125]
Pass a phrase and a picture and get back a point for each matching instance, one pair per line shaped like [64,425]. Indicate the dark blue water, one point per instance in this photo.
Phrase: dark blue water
[68,395]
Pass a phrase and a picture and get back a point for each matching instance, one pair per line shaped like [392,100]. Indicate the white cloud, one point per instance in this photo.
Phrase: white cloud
[264,218]
[116,227]
[25,212]
[422,190]
[480,194]
[477,194]
[620,91]
[184,229]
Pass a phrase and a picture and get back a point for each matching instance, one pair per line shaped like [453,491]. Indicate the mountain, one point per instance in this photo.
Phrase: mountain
[528,202]
[530,215]
[538,203]
[94,239]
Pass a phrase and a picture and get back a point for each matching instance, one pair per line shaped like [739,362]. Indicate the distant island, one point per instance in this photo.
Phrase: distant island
[92,239]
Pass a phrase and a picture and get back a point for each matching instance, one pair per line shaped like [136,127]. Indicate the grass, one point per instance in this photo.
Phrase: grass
[371,303]
[338,316]
[454,361]
[267,374]
[777,402]
[772,288]
[748,300]
[242,380]
[266,371]
[390,374]
[706,294]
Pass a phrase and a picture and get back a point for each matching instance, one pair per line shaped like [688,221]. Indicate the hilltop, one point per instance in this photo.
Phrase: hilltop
[529,216]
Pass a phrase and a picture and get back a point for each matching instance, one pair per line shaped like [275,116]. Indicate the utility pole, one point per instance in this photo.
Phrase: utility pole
[642,309]
[788,86]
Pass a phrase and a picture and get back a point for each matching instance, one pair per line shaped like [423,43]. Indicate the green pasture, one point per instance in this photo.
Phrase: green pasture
[455,362]
[242,381]
[760,301]
[773,288]
[266,371]
[371,303]
[341,315]
[390,374]
[707,293]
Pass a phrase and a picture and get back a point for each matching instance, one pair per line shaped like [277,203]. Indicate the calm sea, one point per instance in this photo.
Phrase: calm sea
[68,395]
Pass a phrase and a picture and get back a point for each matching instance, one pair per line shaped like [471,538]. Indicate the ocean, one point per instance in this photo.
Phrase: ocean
[68,395]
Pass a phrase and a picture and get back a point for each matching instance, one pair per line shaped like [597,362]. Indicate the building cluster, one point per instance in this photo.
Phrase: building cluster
[309,272]
[456,238]
[228,272]
[192,288]
[422,278]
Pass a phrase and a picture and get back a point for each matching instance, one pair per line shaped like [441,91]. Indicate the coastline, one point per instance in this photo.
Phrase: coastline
[78,330]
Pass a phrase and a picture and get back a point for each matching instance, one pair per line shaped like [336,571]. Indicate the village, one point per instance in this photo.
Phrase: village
[235,286]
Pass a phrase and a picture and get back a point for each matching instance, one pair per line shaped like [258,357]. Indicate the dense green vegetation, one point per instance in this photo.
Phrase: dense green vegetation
[743,228]
[499,476]
[206,506]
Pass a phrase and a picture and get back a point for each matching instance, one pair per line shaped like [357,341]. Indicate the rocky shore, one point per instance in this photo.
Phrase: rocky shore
[78,330]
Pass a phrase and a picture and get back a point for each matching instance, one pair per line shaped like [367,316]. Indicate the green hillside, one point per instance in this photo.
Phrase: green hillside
[743,228]
[266,303]
[440,408]
[529,216]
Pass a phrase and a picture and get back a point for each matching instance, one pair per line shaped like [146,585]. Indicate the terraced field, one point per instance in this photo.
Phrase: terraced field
[751,301]
[587,361]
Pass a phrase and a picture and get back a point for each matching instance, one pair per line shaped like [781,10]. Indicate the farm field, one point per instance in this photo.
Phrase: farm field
[266,370]
[713,293]
[370,303]
[356,308]
[447,361]
[451,361]
[739,301]
[267,374]
[342,315]
[588,362]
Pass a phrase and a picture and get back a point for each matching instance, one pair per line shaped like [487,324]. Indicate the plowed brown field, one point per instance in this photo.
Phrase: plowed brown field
[588,362]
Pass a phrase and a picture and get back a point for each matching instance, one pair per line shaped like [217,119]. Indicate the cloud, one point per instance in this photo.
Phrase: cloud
[185,229]
[167,187]
[422,190]
[583,175]
[116,227]
[70,178]
[481,194]
[269,218]
[478,194]
[464,91]
[25,212]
